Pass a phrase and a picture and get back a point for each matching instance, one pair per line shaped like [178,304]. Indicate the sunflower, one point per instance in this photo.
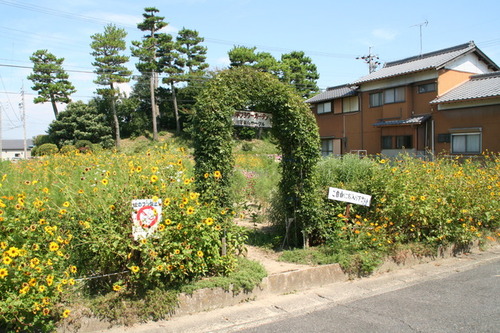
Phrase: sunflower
[3,273]
[104,181]
[200,254]
[134,269]
[117,287]
[66,313]
[217,174]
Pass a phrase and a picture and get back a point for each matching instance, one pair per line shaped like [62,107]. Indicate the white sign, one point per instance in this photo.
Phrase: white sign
[146,216]
[349,196]
[252,119]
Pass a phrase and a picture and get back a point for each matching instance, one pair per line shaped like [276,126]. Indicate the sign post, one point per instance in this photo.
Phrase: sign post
[146,216]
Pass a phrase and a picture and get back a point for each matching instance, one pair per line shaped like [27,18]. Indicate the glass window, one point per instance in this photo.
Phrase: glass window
[466,143]
[326,147]
[350,104]
[404,141]
[324,107]
[387,142]
[394,95]
[376,99]
[428,87]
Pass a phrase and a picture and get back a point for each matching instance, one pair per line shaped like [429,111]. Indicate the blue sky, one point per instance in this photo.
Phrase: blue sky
[332,33]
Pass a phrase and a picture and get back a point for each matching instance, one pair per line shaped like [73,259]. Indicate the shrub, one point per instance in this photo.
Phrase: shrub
[67,149]
[46,149]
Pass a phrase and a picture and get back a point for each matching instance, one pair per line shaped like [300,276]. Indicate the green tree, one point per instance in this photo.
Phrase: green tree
[148,51]
[80,121]
[110,69]
[50,79]
[246,56]
[299,71]
[191,52]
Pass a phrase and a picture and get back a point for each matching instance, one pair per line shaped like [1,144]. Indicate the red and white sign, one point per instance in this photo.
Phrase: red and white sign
[146,216]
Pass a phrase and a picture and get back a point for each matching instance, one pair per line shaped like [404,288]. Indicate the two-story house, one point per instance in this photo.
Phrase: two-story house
[435,102]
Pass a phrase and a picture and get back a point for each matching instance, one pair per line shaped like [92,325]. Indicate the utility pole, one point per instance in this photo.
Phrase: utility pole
[371,60]
[23,116]
[420,25]
[1,140]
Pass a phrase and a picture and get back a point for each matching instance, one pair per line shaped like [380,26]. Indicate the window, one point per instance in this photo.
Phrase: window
[466,143]
[428,87]
[350,104]
[324,107]
[394,95]
[404,141]
[387,142]
[326,147]
[376,99]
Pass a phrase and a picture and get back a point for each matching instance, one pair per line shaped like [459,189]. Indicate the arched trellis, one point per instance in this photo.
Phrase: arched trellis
[294,127]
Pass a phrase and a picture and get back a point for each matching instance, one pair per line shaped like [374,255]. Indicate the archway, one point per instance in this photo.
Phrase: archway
[294,127]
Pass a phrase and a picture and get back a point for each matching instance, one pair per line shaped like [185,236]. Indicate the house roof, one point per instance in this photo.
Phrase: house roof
[16,144]
[344,90]
[415,120]
[433,60]
[478,87]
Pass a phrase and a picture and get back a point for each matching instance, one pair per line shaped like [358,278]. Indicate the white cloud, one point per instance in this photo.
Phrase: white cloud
[385,34]
[223,61]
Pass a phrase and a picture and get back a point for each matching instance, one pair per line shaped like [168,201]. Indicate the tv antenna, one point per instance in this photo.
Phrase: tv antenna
[420,25]
[371,60]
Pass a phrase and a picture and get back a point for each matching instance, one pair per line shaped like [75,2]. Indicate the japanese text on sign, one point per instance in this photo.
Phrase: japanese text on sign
[349,196]
[252,119]
[146,216]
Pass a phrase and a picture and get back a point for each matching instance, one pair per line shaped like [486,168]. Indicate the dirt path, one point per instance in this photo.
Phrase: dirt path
[269,259]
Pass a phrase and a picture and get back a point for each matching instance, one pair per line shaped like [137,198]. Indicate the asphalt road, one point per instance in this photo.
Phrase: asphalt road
[466,301]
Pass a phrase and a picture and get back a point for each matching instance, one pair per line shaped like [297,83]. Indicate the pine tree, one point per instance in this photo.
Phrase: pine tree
[50,80]
[148,51]
[110,69]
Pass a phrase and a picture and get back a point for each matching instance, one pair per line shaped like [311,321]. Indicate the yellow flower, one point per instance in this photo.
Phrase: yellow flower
[168,221]
[154,178]
[66,313]
[383,161]
[134,269]
[200,254]
[53,246]
[7,260]
[190,210]
[187,181]
[413,198]
[104,181]
[41,288]
[3,273]
[177,251]
[72,269]
[13,252]
[117,287]
[209,221]
[217,174]
[66,204]
[206,175]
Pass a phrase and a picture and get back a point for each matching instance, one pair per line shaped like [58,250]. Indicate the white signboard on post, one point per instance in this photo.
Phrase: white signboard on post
[349,196]
[252,119]
[146,216]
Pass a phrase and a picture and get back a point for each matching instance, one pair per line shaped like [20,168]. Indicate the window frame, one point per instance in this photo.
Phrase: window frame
[323,107]
[402,139]
[349,103]
[329,147]
[427,87]
[467,149]
[387,139]
[380,98]
[396,92]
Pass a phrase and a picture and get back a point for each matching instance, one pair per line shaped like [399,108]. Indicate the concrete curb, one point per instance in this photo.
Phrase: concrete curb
[276,284]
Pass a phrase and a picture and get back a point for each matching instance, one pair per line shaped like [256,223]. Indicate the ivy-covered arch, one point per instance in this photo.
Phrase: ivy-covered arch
[294,127]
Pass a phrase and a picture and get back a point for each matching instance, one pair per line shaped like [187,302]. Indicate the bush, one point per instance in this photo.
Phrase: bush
[67,149]
[46,149]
